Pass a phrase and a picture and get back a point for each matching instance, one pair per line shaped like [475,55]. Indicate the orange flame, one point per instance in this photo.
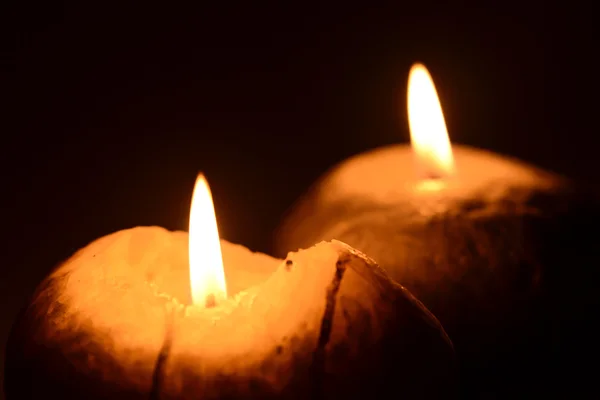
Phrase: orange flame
[207,276]
[428,132]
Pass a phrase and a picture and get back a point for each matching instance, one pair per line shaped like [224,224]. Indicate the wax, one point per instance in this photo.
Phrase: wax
[115,321]
[500,252]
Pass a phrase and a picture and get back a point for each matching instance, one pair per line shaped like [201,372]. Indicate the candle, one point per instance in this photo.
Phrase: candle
[492,246]
[133,315]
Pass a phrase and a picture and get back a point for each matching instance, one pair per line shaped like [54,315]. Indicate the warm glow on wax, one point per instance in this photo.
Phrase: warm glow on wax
[428,132]
[207,277]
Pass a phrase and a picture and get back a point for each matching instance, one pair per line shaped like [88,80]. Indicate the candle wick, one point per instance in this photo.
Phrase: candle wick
[432,176]
[428,169]
[210,301]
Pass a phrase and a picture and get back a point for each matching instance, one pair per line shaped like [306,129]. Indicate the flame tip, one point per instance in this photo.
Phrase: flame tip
[418,67]
[201,177]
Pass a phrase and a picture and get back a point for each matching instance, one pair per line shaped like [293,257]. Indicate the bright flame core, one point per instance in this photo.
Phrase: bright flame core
[428,132]
[207,277]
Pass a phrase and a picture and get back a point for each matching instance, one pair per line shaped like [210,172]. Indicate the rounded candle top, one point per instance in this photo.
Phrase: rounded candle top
[116,321]
[387,173]
[431,167]
[429,178]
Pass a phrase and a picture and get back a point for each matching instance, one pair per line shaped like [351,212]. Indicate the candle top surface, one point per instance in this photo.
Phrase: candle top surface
[158,259]
[384,181]
[387,173]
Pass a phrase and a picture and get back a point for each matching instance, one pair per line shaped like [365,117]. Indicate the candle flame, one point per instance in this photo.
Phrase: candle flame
[207,276]
[428,132]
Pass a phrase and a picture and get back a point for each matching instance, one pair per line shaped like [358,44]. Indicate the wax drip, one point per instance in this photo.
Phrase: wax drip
[163,355]
[318,363]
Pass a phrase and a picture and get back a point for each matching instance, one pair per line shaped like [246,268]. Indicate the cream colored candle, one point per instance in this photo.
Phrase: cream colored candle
[478,237]
[122,319]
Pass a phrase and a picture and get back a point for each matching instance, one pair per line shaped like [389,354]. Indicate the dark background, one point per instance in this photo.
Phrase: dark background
[112,111]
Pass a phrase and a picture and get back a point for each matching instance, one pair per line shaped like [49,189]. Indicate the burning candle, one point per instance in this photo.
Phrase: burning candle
[492,246]
[133,316]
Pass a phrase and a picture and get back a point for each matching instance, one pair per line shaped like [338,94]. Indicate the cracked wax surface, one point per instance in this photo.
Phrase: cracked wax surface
[115,321]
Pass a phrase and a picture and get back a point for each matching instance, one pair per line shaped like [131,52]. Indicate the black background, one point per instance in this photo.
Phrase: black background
[112,111]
